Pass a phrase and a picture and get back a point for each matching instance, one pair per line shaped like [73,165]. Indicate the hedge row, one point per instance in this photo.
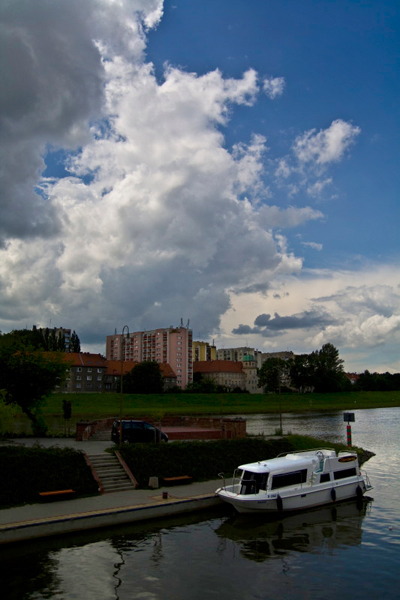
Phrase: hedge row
[200,460]
[24,472]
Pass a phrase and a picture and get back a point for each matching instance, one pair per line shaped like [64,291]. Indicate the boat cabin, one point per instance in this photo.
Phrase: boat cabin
[320,466]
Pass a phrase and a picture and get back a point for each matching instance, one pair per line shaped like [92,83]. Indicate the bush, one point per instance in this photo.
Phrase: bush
[24,472]
[200,460]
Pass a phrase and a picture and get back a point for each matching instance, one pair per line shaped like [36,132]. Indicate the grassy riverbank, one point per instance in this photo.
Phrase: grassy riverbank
[157,406]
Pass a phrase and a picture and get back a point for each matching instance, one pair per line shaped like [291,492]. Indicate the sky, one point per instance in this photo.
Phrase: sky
[233,164]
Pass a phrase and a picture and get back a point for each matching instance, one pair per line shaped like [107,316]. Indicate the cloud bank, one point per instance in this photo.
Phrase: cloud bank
[154,217]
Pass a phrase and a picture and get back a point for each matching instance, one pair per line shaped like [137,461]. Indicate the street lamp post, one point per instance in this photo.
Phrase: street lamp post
[121,396]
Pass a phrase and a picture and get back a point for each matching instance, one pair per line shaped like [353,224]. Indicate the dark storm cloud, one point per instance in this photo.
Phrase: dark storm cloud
[269,326]
[256,288]
[52,83]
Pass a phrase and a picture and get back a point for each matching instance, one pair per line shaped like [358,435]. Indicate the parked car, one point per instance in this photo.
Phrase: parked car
[137,432]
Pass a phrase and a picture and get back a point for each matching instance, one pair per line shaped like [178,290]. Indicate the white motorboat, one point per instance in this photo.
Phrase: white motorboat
[296,481]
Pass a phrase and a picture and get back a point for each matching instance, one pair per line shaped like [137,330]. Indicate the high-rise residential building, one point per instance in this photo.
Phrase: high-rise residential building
[172,345]
[204,351]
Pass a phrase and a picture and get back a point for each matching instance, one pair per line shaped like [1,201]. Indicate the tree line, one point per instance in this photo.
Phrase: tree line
[44,339]
[377,382]
[321,372]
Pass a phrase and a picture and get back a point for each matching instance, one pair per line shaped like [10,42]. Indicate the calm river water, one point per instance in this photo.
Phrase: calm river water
[346,552]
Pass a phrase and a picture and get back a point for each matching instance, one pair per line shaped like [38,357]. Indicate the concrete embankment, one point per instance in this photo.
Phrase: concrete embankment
[41,520]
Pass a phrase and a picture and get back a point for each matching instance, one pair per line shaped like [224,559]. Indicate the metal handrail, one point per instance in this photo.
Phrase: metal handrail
[222,475]
[301,451]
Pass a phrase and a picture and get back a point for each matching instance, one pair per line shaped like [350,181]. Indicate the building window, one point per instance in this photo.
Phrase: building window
[79,370]
[89,370]
[89,378]
[78,377]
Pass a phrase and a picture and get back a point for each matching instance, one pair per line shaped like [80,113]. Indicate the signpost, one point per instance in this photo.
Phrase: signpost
[349,418]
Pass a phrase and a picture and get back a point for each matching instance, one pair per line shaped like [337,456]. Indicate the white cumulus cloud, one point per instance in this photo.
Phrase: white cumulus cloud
[158,218]
[327,145]
[274,86]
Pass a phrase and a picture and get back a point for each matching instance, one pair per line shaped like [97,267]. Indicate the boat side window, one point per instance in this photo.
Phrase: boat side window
[287,479]
[325,477]
[344,473]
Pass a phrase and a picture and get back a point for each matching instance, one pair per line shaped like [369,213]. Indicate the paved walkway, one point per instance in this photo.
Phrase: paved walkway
[115,500]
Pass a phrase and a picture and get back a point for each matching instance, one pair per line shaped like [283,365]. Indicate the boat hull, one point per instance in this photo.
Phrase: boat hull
[294,500]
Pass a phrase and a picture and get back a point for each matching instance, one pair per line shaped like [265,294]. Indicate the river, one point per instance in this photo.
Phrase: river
[346,551]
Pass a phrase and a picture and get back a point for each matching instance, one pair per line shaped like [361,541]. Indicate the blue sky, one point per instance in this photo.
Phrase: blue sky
[339,60]
[232,163]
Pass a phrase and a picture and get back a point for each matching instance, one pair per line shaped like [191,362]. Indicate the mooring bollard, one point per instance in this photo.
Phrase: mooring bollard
[165,495]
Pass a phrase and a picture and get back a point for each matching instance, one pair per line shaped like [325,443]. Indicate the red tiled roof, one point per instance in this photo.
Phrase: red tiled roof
[86,359]
[114,368]
[217,366]
[83,359]
[352,376]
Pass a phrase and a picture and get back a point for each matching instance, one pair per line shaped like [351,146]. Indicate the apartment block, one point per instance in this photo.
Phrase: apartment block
[252,360]
[242,352]
[172,345]
[236,354]
[85,372]
[204,351]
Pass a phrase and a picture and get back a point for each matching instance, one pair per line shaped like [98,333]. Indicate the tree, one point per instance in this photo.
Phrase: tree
[27,376]
[329,375]
[273,374]
[6,414]
[75,344]
[302,370]
[144,378]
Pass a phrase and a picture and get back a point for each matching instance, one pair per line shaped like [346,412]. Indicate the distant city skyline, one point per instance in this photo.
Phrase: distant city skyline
[234,163]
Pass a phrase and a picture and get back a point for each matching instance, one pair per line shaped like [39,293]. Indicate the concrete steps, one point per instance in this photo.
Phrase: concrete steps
[102,436]
[110,472]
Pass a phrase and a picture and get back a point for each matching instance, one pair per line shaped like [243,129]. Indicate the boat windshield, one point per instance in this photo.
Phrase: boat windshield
[252,483]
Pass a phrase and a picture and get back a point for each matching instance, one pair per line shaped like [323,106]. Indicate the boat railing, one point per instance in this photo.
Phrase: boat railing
[368,484]
[222,475]
[314,450]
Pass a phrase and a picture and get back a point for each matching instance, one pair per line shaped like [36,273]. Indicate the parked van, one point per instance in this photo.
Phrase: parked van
[137,432]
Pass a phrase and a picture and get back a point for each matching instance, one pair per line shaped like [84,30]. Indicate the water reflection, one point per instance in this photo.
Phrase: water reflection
[337,551]
[329,527]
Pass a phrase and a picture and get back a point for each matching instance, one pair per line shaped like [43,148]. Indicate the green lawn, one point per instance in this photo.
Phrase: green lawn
[157,406]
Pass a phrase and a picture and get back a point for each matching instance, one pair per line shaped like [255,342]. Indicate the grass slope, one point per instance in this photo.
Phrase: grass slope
[158,406]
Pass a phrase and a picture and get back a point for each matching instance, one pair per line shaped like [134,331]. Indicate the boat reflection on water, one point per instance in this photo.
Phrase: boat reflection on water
[316,530]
